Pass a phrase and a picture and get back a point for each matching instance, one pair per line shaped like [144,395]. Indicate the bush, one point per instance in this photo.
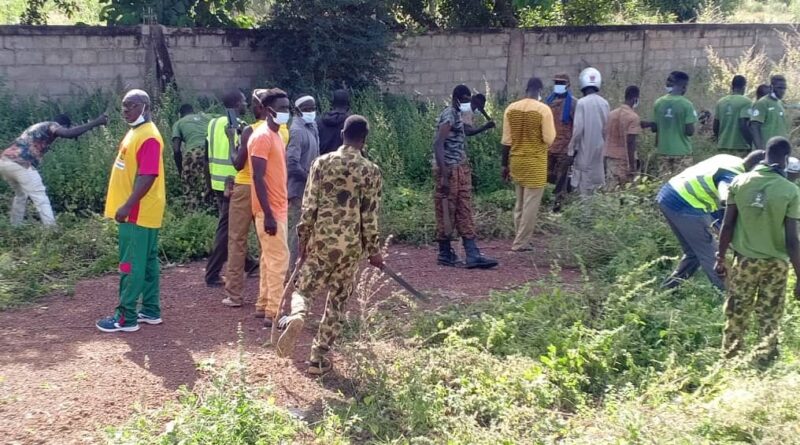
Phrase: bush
[225,410]
[319,40]
[36,261]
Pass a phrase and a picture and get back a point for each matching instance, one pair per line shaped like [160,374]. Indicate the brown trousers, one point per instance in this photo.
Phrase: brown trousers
[240,218]
[459,199]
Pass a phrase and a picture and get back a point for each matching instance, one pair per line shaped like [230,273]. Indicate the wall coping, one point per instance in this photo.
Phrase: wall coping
[66,30]
[618,28]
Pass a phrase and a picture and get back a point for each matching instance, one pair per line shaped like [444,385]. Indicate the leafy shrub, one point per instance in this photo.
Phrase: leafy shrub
[187,238]
[225,410]
[319,40]
[35,261]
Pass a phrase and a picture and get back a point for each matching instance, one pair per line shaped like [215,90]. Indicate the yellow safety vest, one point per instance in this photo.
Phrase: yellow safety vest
[696,184]
[219,153]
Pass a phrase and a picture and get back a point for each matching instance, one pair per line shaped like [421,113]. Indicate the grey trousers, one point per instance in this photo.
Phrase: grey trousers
[295,208]
[699,247]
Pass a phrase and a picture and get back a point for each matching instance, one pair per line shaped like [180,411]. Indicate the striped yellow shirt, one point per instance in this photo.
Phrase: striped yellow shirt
[529,130]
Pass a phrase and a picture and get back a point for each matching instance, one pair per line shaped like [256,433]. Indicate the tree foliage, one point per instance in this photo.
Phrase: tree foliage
[315,41]
[34,13]
[197,13]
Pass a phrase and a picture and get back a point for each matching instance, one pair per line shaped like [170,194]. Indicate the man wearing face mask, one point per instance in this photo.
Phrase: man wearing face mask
[588,135]
[136,199]
[562,103]
[768,117]
[624,128]
[674,117]
[453,175]
[528,130]
[270,203]
[301,152]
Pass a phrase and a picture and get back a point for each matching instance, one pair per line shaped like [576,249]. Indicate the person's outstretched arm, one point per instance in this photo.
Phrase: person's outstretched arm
[73,132]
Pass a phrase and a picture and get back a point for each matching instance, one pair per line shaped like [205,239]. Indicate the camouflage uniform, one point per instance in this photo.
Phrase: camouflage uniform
[339,227]
[194,183]
[756,285]
[670,165]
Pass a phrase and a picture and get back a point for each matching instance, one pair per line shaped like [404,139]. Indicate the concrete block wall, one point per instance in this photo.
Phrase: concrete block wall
[61,60]
[430,64]
[642,54]
[216,60]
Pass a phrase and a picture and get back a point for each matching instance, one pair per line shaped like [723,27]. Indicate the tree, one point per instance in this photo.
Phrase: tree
[197,13]
[330,43]
[34,13]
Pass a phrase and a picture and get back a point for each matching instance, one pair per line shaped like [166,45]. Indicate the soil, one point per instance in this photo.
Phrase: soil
[62,381]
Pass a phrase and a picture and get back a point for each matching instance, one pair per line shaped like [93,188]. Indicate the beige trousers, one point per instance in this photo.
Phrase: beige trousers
[526,211]
[274,262]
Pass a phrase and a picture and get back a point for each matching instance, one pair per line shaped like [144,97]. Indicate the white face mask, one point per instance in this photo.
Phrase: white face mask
[668,89]
[465,107]
[309,117]
[636,104]
[560,89]
[539,98]
[281,118]
[139,120]
[774,96]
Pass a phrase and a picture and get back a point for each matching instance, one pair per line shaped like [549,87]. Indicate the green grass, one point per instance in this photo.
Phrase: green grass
[609,359]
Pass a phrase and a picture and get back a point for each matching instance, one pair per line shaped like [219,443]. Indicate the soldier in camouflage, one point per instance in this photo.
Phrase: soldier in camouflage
[338,227]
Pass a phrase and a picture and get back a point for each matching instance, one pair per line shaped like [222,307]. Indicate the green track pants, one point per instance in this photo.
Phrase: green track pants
[139,273]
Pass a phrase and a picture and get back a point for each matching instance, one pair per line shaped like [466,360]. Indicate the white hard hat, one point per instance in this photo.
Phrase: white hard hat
[793,166]
[590,77]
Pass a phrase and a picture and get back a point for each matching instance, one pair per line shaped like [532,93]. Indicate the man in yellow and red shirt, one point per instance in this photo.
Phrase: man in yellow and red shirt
[136,200]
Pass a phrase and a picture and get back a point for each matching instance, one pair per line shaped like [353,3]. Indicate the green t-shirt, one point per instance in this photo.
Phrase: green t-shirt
[192,129]
[770,113]
[671,114]
[728,112]
[764,199]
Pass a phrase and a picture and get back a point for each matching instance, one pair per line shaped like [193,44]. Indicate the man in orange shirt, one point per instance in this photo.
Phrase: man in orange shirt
[136,200]
[267,153]
[624,127]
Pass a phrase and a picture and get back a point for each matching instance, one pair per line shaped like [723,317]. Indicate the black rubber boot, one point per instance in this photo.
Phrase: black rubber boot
[474,258]
[447,256]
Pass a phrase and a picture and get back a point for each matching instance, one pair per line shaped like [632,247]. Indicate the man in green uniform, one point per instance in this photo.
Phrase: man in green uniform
[338,227]
[189,136]
[761,223]
[768,118]
[673,121]
[727,130]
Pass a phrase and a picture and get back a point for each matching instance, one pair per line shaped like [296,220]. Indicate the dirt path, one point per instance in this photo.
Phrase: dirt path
[62,381]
